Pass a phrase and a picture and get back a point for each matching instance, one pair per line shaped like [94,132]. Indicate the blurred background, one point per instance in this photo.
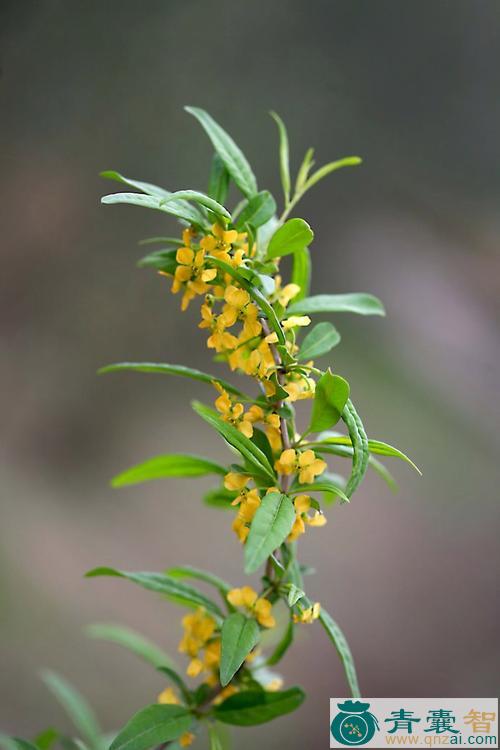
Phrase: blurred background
[413,88]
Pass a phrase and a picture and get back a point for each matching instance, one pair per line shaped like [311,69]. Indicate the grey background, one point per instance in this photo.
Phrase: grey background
[413,88]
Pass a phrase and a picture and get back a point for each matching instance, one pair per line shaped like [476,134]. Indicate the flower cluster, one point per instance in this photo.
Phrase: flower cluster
[253,604]
[227,304]
[202,644]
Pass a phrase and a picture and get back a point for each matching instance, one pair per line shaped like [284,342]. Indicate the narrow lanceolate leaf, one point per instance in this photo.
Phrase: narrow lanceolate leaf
[339,641]
[201,199]
[218,183]
[330,398]
[347,161]
[359,440]
[301,272]
[219,498]
[320,340]
[270,527]
[134,642]
[322,485]
[76,708]
[255,457]
[360,303]
[258,706]
[375,446]
[346,451]
[236,163]
[16,743]
[180,209]
[187,571]
[293,236]
[239,636]
[160,368]
[174,590]
[162,260]
[172,465]
[283,645]
[284,156]
[257,211]
[152,726]
[144,187]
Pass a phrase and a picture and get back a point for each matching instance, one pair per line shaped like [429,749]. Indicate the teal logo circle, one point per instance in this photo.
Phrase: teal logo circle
[354,724]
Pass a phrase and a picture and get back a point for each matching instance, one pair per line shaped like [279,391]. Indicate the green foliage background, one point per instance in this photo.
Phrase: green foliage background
[413,90]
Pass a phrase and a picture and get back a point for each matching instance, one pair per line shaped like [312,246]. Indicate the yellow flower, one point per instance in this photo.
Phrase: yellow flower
[302,505]
[296,320]
[220,339]
[299,386]
[287,462]
[168,696]
[186,739]
[305,463]
[259,607]
[191,274]
[308,615]
[274,685]
[241,529]
[234,481]
[285,294]
[310,467]
[233,413]
[195,667]
[236,302]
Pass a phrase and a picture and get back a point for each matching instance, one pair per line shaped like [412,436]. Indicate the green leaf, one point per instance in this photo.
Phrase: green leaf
[363,304]
[144,187]
[218,183]
[284,156]
[339,641]
[162,260]
[330,397]
[174,241]
[134,642]
[322,485]
[239,636]
[236,163]
[200,198]
[257,211]
[16,743]
[46,739]
[304,169]
[383,472]
[293,236]
[283,645]
[76,708]
[152,726]
[217,738]
[255,457]
[187,571]
[347,161]
[270,527]
[359,440]
[219,498]
[180,209]
[172,465]
[374,446]
[258,706]
[301,272]
[294,594]
[164,369]
[180,593]
[320,340]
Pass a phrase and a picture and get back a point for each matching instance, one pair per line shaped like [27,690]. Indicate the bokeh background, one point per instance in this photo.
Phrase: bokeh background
[413,88]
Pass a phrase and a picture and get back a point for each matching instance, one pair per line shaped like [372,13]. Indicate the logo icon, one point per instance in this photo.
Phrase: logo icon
[354,724]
